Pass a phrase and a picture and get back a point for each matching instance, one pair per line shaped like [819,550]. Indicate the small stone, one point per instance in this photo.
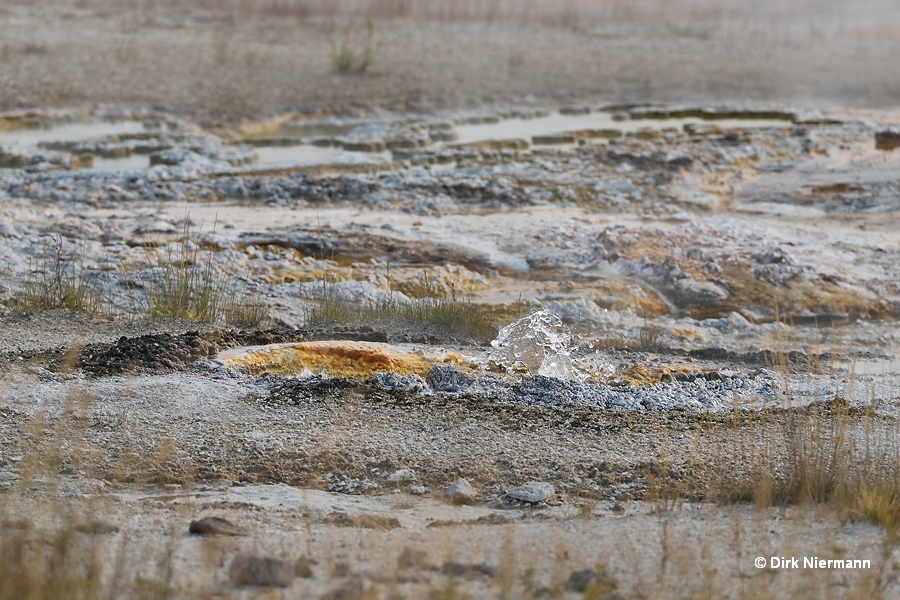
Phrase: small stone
[462,492]
[303,567]
[532,492]
[214,526]
[418,490]
[261,571]
[401,475]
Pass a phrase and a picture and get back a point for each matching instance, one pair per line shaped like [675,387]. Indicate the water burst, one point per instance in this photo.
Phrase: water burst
[538,344]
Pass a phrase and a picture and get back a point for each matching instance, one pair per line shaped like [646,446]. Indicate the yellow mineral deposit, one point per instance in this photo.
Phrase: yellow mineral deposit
[336,358]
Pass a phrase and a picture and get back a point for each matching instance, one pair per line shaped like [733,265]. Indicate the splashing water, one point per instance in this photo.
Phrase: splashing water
[538,344]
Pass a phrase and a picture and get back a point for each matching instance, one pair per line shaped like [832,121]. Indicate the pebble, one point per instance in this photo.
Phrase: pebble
[532,492]
[261,571]
[401,475]
[462,492]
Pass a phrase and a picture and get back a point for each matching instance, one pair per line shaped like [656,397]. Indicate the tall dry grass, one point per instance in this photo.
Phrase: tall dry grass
[185,282]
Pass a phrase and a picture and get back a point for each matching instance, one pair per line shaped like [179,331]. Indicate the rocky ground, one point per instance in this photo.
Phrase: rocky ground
[698,276]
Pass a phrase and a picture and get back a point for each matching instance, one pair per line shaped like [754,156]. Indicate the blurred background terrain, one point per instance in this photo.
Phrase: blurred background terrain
[256,57]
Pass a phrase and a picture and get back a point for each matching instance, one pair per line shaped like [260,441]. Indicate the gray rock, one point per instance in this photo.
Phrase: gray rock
[402,475]
[461,492]
[692,291]
[532,492]
[8,476]
[418,490]
[442,378]
[261,571]
[391,381]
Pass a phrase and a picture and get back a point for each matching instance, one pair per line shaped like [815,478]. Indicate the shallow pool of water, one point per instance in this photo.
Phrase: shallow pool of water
[881,366]
[306,155]
[558,123]
[70,132]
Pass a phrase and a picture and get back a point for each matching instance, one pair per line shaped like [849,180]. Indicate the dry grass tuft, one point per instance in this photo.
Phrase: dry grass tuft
[352,47]
[452,316]
[59,279]
[878,502]
[186,283]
